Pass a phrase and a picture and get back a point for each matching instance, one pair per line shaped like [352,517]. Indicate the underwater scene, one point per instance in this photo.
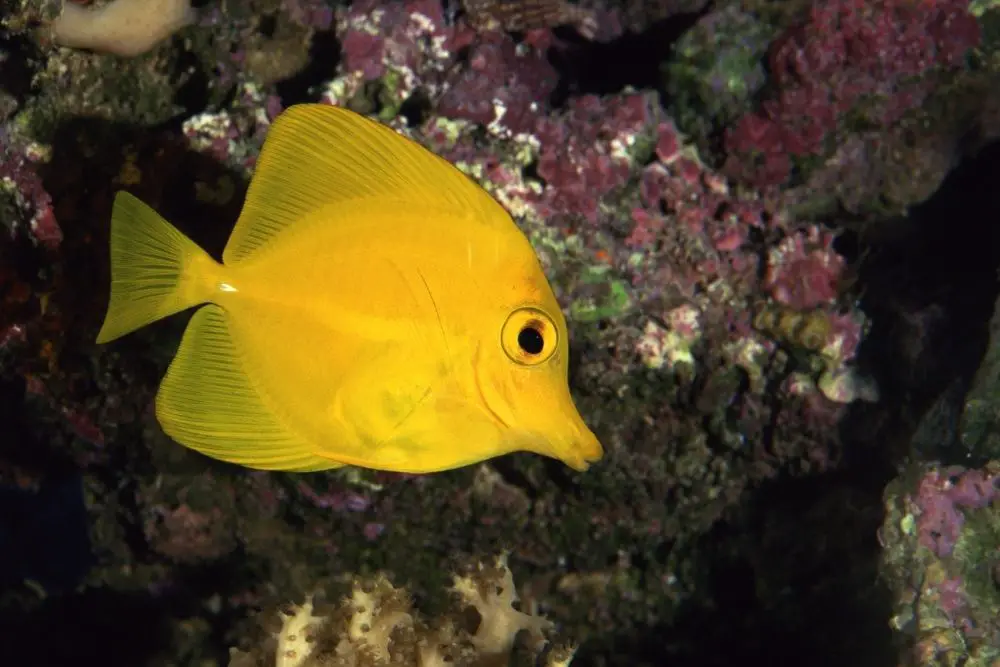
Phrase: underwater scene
[488,333]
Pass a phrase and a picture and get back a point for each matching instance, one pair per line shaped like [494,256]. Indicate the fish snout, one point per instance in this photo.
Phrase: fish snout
[581,448]
[569,439]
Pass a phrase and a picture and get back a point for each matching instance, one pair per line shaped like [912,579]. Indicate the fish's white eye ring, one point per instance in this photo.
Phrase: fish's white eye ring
[529,336]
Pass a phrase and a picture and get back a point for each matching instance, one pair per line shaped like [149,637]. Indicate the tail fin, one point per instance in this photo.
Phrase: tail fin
[155,270]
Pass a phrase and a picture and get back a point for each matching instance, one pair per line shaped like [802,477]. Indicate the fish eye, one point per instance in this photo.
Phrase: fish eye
[530,340]
[529,336]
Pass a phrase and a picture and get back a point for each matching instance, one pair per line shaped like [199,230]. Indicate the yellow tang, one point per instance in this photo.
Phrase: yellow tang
[374,307]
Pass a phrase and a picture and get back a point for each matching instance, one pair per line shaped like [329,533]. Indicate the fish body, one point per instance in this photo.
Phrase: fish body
[374,307]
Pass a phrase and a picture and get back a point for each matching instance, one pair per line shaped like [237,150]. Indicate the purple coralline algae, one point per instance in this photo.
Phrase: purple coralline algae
[941,499]
[803,270]
[849,61]
[940,539]
[19,181]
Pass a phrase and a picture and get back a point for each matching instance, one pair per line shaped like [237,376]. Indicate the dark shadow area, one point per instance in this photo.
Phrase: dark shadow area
[102,626]
[794,575]
[18,66]
[91,161]
[324,58]
[794,580]
[929,285]
[633,59]
[193,95]
[43,534]
[44,526]
[98,627]
[43,519]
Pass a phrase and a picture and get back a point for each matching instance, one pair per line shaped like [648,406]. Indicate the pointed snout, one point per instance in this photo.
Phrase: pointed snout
[580,447]
[547,422]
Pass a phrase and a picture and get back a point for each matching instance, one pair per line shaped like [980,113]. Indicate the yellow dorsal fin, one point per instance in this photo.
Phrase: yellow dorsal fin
[207,402]
[317,155]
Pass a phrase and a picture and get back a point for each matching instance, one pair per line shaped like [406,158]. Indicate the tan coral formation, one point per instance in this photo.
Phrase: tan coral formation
[122,27]
[377,626]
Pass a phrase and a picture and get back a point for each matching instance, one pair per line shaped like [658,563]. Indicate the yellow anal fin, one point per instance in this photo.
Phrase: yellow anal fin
[207,402]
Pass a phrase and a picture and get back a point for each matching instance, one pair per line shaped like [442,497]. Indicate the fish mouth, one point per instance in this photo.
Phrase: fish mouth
[582,451]
[578,448]
[578,463]
[578,451]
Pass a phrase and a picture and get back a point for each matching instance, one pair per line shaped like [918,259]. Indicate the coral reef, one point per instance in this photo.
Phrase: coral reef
[978,429]
[847,64]
[708,197]
[941,534]
[377,625]
[717,69]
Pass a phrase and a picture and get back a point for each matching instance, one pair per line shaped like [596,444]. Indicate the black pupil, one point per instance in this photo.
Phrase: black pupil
[530,340]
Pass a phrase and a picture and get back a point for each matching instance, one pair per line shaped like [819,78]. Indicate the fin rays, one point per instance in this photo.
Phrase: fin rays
[207,402]
[318,156]
[154,269]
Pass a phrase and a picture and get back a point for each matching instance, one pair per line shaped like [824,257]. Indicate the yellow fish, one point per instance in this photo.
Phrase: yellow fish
[374,307]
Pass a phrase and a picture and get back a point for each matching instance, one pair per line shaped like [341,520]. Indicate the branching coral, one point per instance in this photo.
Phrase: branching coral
[377,625]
